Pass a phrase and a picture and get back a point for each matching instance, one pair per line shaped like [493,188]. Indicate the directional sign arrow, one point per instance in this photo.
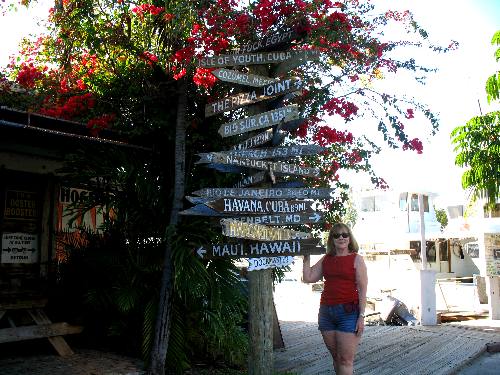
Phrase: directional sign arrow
[255,58]
[250,206]
[245,98]
[260,232]
[296,193]
[255,141]
[276,167]
[201,252]
[257,249]
[297,60]
[225,168]
[251,180]
[276,38]
[282,219]
[259,121]
[235,76]
[265,153]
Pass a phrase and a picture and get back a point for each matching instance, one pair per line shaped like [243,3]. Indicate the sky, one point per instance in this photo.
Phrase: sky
[455,92]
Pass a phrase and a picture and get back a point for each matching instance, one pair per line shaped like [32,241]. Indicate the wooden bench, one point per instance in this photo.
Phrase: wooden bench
[40,327]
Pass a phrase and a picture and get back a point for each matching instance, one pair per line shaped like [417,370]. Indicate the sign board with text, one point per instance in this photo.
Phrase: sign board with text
[19,248]
[235,76]
[256,249]
[297,193]
[276,167]
[259,121]
[260,206]
[250,97]
[259,232]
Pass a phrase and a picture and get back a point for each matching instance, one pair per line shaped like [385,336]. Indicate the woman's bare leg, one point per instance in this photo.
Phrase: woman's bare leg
[345,347]
[329,337]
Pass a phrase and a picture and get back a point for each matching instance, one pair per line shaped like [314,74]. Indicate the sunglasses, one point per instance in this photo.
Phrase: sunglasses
[338,235]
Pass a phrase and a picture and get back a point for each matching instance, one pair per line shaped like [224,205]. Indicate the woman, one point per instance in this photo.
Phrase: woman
[343,300]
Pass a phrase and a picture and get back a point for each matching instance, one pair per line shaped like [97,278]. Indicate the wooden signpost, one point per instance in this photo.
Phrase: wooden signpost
[245,98]
[276,167]
[255,141]
[259,121]
[297,193]
[249,206]
[240,78]
[257,249]
[283,219]
[254,213]
[238,229]
[257,58]
[265,153]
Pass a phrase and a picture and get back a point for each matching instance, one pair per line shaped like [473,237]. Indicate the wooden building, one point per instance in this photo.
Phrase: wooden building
[32,200]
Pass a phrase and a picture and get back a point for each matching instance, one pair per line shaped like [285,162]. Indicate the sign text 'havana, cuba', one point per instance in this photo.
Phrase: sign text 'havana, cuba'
[260,206]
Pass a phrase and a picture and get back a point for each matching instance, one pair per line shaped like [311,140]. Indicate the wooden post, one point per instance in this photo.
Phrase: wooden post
[260,300]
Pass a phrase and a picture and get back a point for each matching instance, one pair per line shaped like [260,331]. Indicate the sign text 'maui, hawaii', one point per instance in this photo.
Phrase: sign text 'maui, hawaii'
[250,249]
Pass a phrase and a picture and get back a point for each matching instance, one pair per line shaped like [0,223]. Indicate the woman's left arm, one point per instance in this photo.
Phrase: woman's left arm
[362,284]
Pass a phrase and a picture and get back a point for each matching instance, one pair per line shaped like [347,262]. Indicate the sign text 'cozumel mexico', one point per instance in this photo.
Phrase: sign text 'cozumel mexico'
[235,76]
[262,120]
[297,193]
[245,98]
[265,153]
[251,249]
[260,206]
[259,232]
[276,167]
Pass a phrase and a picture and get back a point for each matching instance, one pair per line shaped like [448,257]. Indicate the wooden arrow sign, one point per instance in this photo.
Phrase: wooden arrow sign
[275,39]
[283,219]
[265,153]
[255,249]
[262,120]
[259,232]
[254,58]
[245,98]
[236,206]
[255,141]
[264,263]
[225,168]
[235,76]
[295,61]
[276,167]
[281,193]
[251,180]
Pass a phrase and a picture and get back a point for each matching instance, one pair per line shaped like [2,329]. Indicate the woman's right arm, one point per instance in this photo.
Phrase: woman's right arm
[314,273]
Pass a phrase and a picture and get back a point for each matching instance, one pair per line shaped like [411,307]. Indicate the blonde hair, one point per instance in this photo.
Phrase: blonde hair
[330,244]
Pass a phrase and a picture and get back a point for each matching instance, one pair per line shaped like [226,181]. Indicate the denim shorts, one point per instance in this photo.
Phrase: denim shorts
[341,317]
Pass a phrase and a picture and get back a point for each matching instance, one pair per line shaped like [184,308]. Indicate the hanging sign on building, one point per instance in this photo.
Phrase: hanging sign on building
[21,205]
[19,248]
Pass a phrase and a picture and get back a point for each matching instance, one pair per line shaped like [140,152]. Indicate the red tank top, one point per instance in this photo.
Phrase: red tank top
[340,280]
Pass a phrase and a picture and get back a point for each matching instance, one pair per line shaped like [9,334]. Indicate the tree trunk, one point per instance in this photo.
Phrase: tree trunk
[164,315]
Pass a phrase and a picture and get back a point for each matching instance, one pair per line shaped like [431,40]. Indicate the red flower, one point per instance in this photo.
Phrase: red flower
[409,113]
[204,77]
